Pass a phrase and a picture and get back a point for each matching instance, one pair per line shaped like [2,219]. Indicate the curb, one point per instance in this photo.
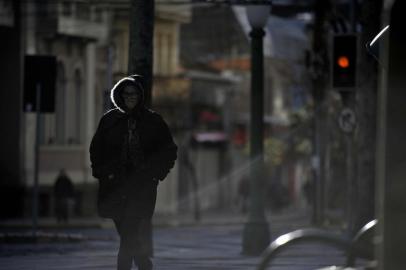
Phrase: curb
[40,237]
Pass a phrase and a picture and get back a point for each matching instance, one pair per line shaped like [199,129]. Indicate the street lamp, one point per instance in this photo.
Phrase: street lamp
[256,235]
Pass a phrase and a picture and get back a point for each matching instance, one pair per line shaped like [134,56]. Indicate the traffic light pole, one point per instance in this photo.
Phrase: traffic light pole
[36,161]
[352,185]
[140,61]
[256,234]
[319,91]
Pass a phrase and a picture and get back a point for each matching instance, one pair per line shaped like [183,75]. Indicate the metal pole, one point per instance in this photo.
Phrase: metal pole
[350,187]
[256,235]
[320,87]
[36,161]
[140,55]
[318,187]
[353,16]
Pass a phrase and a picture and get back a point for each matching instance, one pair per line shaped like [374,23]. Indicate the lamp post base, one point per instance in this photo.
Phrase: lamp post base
[256,238]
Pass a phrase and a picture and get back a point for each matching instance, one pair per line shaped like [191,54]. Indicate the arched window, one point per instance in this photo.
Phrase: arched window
[60,105]
[78,106]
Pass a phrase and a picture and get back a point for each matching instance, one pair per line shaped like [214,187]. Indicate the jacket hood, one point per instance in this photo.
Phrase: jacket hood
[115,94]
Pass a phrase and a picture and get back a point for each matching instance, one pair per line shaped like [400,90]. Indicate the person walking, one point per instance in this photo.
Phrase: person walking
[64,193]
[131,151]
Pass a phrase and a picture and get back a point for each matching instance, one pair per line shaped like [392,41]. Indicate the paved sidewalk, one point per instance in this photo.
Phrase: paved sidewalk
[215,243]
[159,220]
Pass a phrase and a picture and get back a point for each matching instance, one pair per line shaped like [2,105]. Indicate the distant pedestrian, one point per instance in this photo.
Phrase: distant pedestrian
[308,190]
[278,195]
[64,193]
[131,151]
[243,193]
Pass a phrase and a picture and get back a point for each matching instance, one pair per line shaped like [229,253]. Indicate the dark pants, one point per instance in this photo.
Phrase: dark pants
[134,243]
[62,210]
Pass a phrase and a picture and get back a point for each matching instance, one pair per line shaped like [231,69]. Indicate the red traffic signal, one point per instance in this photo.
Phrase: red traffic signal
[344,61]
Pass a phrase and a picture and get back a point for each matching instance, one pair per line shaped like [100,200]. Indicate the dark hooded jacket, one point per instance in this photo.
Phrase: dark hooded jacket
[128,182]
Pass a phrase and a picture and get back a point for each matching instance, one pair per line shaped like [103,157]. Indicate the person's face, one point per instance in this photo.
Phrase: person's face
[130,97]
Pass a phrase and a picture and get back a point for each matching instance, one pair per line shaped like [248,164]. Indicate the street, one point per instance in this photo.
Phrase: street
[210,245]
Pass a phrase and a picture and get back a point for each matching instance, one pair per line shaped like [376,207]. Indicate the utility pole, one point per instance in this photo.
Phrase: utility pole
[319,92]
[348,96]
[256,234]
[366,99]
[140,59]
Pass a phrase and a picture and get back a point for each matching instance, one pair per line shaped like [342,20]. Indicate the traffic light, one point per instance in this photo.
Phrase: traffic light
[344,61]
[39,70]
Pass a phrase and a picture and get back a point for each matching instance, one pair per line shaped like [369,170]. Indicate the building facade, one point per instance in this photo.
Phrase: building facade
[76,33]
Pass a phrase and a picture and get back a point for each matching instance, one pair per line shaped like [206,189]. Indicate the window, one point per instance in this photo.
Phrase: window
[66,8]
[97,14]
[164,53]
[157,42]
[78,107]
[83,11]
[81,50]
[60,104]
